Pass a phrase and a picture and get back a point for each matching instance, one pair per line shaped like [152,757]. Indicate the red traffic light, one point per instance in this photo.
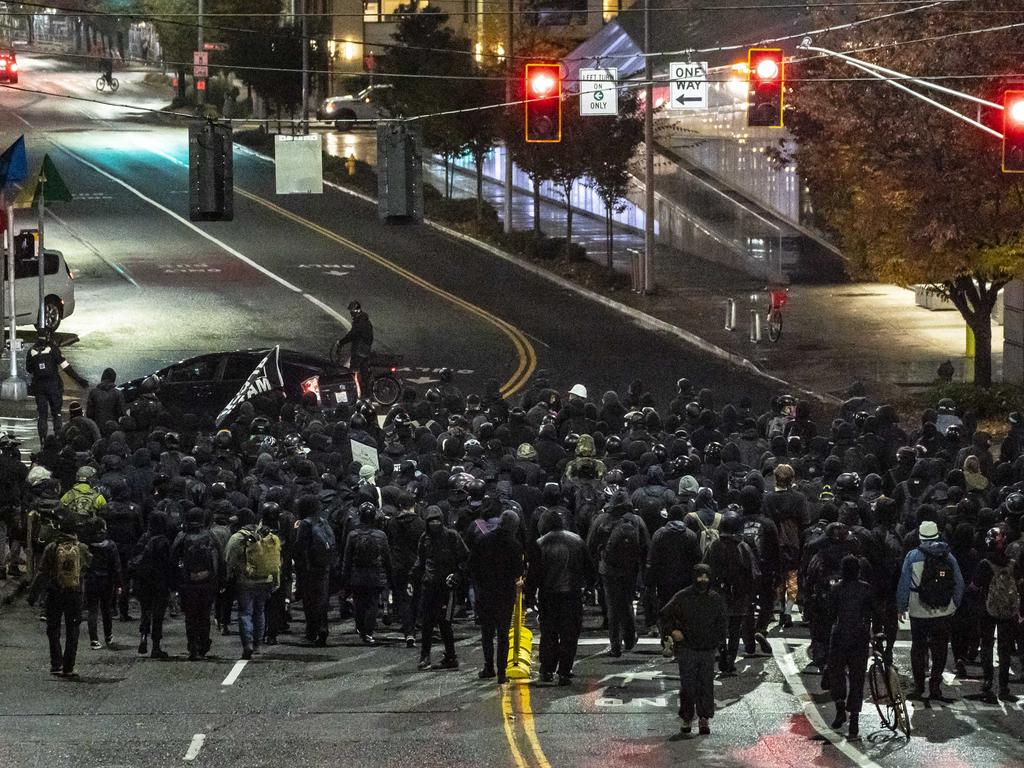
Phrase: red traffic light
[1013,132]
[543,104]
[767,80]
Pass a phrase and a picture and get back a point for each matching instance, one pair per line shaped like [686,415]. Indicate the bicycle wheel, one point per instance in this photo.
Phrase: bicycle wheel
[880,694]
[774,325]
[101,83]
[114,85]
[386,390]
[899,702]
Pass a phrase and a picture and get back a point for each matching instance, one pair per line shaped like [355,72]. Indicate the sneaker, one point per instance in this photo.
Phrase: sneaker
[564,680]
[547,677]
[247,653]
[854,732]
[143,647]
[95,645]
[840,718]
[686,727]
[502,677]
[614,652]
[961,669]
[486,673]
[193,656]
[424,664]
[446,663]
[157,653]
[785,621]
[410,641]
[704,726]
[1005,695]
[56,671]
[108,641]
[320,642]
[368,639]
[70,674]
[762,642]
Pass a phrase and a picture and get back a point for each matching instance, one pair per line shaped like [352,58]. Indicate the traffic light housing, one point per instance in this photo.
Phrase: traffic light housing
[767,80]
[1013,132]
[543,103]
[210,180]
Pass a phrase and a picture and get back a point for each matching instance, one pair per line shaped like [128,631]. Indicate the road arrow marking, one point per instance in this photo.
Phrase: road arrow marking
[423,380]
[337,273]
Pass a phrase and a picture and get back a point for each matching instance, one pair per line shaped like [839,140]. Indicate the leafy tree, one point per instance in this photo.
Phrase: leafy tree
[177,40]
[913,194]
[612,143]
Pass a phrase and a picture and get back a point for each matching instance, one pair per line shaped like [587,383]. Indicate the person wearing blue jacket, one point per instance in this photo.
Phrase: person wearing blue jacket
[930,590]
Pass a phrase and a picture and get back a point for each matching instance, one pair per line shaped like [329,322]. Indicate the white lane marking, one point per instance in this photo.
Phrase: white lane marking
[219,243]
[787,665]
[235,672]
[121,271]
[26,122]
[193,748]
[604,641]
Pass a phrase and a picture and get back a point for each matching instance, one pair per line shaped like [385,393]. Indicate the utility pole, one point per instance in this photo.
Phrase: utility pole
[509,73]
[305,70]
[200,94]
[646,280]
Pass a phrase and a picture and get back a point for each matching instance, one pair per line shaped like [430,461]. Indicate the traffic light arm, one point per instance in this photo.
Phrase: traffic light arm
[886,75]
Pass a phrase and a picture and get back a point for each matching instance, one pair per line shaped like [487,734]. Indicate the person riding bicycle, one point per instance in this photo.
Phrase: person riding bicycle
[360,336]
[107,68]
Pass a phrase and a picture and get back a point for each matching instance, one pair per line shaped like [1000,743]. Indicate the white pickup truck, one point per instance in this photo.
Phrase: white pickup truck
[344,111]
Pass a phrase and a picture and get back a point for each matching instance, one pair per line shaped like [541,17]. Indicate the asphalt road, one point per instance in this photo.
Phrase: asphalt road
[153,288]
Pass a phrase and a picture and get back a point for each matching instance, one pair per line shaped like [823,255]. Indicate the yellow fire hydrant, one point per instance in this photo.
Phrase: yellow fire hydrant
[350,164]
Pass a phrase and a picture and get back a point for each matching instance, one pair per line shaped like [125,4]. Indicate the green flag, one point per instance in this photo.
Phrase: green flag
[51,184]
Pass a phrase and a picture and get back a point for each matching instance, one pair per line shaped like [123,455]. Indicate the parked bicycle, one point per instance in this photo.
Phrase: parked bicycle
[777,298]
[385,385]
[887,690]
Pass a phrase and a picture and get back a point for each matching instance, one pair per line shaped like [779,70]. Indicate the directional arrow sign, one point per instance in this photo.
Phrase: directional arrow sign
[688,81]
[599,94]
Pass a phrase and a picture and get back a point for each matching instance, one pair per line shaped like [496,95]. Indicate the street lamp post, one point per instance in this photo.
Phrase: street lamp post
[200,94]
[646,282]
[507,208]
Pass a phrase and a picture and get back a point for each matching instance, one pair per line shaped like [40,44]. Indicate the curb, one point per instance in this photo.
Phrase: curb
[644,320]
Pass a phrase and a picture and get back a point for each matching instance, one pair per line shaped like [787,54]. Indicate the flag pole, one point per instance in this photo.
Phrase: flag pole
[13,387]
[39,248]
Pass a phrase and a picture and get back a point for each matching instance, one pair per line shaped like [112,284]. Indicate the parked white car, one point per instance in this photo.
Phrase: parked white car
[58,289]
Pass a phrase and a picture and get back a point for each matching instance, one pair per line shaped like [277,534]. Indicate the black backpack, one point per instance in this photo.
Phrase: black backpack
[199,559]
[753,534]
[365,552]
[737,574]
[623,547]
[938,583]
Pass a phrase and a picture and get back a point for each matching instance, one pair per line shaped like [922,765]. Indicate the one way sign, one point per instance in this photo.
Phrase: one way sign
[688,85]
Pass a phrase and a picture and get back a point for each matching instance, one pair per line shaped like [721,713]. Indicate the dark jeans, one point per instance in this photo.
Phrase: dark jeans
[696,683]
[762,606]
[277,610]
[561,621]
[196,602]
[618,595]
[731,646]
[964,625]
[435,614]
[252,612]
[846,670]
[154,606]
[99,597]
[929,637]
[315,598]
[494,609]
[886,620]
[820,631]
[224,601]
[1005,633]
[365,603]
[49,399]
[62,605]
[404,605]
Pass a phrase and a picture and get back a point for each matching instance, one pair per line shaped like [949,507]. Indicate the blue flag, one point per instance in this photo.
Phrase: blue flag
[14,164]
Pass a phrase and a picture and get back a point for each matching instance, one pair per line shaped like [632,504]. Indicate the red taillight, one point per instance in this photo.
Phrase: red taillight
[14,67]
[394,370]
[311,385]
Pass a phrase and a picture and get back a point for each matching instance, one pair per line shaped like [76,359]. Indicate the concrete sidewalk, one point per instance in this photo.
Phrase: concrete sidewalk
[833,334]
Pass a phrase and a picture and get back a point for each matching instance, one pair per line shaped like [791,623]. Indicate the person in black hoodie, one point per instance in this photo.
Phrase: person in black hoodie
[674,551]
[153,573]
[964,636]
[762,536]
[404,532]
[124,527]
[495,565]
[440,562]
[105,402]
[198,557]
[366,570]
[850,606]
[696,618]
[734,573]
[995,581]
[102,581]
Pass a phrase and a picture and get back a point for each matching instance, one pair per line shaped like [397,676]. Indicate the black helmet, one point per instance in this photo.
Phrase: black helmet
[946,405]
[172,440]
[683,386]
[906,455]
[354,306]
[794,445]
[476,488]
[860,419]
[270,510]
[367,510]
[633,419]
[955,432]
[693,410]
[995,538]
[713,453]
[223,438]
[358,421]
[259,426]
[1015,503]
[571,441]
[661,452]
[445,375]
[848,481]
[433,395]
[613,445]
[614,477]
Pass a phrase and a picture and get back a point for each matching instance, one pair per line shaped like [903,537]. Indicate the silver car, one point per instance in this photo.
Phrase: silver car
[344,111]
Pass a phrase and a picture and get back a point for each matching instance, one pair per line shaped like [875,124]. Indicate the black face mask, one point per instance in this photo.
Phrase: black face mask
[435,528]
[702,586]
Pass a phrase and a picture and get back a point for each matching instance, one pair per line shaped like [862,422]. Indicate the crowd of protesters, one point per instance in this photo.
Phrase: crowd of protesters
[721,520]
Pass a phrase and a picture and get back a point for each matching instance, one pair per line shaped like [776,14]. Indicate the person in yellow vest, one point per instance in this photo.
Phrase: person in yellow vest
[254,564]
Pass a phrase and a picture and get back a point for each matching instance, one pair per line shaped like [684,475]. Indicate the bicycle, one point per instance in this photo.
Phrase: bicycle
[102,83]
[777,298]
[887,690]
[385,384]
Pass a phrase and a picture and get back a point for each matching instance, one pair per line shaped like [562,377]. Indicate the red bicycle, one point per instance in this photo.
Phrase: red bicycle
[777,298]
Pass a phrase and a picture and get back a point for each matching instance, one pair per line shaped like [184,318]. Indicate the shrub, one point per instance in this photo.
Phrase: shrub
[983,402]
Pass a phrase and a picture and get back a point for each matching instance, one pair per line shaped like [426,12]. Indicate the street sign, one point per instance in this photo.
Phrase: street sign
[688,82]
[215,46]
[599,93]
[200,61]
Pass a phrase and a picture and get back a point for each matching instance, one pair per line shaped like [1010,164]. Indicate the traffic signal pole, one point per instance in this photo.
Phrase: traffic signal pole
[200,94]
[305,71]
[507,207]
[646,282]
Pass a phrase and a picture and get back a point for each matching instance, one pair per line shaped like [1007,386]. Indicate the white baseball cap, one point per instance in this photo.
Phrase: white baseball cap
[579,390]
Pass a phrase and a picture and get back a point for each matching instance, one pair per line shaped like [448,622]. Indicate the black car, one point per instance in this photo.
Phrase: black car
[203,385]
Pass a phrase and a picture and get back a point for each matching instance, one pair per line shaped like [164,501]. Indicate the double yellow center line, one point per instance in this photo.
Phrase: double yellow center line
[525,353]
[517,719]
